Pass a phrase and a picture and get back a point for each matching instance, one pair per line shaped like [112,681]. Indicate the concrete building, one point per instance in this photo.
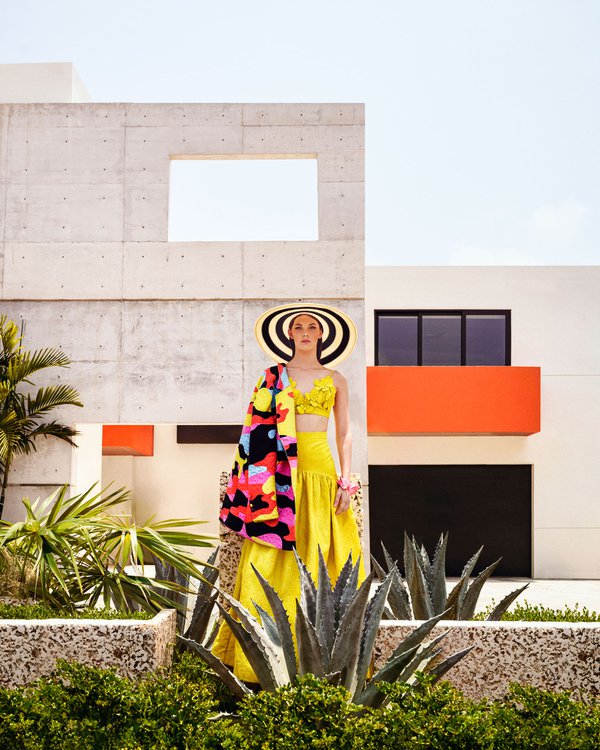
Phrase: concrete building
[161,333]
[496,451]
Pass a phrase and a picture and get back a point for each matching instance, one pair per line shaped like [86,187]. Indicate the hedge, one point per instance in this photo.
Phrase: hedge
[86,708]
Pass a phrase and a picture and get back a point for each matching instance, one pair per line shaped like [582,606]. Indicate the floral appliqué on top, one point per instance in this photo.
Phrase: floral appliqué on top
[318,400]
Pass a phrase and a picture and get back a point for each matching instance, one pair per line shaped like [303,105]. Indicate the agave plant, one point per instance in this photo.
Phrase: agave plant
[424,593]
[205,593]
[78,553]
[335,633]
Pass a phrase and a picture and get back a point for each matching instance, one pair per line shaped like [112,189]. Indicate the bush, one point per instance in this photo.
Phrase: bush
[85,708]
[538,613]
[44,612]
[309,714]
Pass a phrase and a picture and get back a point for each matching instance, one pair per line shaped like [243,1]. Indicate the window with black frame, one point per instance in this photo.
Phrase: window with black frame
[442,337]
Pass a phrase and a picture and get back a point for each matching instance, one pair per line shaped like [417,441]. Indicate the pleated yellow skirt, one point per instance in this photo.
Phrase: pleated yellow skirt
[317,525]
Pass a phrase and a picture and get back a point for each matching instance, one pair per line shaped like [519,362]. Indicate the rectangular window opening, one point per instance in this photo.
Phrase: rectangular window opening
[243,199]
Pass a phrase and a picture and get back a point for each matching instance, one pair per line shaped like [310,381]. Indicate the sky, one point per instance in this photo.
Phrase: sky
[482,116]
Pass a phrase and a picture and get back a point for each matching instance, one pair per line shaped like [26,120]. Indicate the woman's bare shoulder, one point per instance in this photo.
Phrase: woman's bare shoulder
[339,380]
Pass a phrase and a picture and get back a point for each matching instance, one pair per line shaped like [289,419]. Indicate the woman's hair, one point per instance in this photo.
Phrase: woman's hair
[319,342]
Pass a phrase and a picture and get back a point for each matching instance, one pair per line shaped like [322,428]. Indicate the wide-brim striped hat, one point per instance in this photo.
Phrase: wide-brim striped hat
[339,332]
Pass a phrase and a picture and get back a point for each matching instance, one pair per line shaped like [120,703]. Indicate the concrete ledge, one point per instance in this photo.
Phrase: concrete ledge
[29,648]
[553,656]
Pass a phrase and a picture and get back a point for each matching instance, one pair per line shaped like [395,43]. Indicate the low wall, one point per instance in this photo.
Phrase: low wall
[29,648]
[553,656]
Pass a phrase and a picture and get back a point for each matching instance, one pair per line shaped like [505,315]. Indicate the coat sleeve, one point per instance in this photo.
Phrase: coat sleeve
[236,500]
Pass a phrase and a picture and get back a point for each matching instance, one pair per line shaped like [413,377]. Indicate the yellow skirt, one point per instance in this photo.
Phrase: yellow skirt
[317,525]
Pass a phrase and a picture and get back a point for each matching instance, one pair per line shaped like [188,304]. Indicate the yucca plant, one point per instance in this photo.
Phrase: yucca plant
[23,414]
[424,592]
[335,633]
[77,552]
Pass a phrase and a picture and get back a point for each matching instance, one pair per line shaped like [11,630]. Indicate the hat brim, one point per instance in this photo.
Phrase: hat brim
[339,332]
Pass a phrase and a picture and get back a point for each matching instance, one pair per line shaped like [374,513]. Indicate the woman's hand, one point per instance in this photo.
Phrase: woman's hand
[342,501]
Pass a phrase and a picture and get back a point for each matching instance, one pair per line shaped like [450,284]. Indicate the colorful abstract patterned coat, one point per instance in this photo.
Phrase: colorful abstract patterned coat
[259,501]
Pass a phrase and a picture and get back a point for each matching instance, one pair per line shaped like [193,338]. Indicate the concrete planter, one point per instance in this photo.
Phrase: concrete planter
[553,656]
[29,648]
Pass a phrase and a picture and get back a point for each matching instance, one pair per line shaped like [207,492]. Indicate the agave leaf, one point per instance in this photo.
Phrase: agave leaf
[437,586]
[371,696]
[325,617]
[379,571]
[283,624]
[398,599]
[340,585]
[469,601]
[388,614]
[231,681]
[501,608]
[398,596]
[419,634]
[259,651]
[369,632]
[423,655]
[201,615]
[308,590]
[439,670]
[208,643]
[205,600]
[407,554]
[425,562]
[452,600]
[345,653]
[388,558]
[419,591]
[311,652]
[463,584]
[348,592]
[270,627]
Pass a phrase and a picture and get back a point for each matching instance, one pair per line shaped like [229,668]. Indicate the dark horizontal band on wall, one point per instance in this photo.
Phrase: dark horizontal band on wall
[209,433]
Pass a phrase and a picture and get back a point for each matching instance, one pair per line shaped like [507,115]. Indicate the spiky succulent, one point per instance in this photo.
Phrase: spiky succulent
[423,594]
[335,634]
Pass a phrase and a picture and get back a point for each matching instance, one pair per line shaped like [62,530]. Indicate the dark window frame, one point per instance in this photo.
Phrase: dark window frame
[463,331]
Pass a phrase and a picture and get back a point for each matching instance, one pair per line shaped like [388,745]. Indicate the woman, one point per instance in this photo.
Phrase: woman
[284,492]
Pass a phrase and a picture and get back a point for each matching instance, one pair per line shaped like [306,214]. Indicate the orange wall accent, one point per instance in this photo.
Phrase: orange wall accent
[453,400]
[127,440]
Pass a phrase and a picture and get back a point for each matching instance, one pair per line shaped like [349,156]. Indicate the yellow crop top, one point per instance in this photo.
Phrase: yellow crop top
[319,400]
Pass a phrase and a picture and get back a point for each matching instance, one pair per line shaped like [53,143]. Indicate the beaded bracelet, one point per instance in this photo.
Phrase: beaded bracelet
[346,484]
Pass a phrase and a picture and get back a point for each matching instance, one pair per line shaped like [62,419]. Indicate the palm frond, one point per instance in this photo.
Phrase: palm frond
[50,398]
[23,364]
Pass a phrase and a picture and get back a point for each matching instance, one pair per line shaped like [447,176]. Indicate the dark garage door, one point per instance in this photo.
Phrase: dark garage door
[478,505]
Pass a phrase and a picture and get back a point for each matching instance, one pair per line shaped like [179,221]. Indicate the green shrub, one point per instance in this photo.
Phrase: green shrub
[538,613]
[85,708]
[44,612]
[531,718]
[311,713]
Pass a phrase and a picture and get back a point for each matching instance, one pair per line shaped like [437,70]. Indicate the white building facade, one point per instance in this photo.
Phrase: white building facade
[554,317]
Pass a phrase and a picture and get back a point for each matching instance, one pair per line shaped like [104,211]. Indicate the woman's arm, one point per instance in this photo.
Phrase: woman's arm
[343,438]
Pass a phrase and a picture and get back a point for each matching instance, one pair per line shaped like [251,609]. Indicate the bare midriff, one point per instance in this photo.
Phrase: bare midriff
[311,423]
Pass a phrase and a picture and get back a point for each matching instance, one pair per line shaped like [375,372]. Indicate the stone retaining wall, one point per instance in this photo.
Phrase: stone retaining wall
[29,648]
[554,656]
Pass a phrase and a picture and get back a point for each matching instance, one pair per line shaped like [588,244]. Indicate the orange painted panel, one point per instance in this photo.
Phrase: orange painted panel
[453,400]
[127,440]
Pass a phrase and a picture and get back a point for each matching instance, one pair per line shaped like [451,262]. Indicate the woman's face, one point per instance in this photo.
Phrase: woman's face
[305,331]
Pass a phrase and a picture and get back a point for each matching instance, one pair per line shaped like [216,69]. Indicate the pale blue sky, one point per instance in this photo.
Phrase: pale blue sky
[483,116]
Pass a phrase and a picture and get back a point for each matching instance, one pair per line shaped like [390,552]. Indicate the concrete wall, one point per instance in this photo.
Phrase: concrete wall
[162,332]
[555,325]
